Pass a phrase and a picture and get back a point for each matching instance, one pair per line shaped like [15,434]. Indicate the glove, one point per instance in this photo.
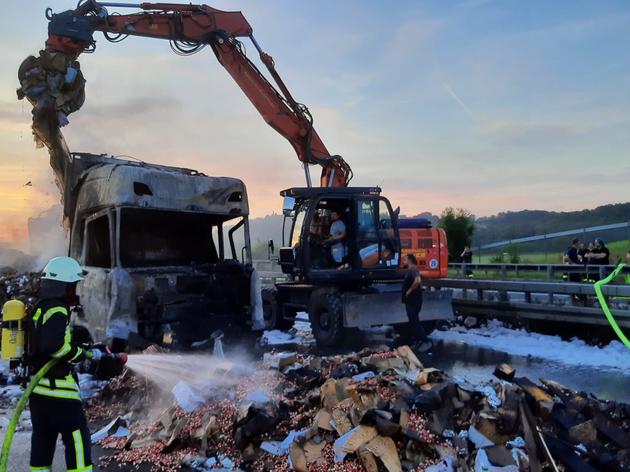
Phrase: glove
[122,357]
[96,354]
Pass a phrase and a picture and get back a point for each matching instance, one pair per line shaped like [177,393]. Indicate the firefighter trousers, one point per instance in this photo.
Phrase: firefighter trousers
[52,417]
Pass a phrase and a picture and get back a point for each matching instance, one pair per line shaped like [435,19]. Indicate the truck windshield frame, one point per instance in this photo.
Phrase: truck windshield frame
[149,237]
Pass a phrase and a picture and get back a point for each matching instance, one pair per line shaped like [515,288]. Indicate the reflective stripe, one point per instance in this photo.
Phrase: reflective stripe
[49,392]
[53,311]
[78,449]
[67,347]
[37,314]
[79,352]
[61,384]
[87,468]
[46,468]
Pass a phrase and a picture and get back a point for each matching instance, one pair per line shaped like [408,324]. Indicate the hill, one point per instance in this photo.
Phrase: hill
[516,224]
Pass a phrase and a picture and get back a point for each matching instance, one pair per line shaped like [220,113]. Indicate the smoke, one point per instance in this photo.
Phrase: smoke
[47,236]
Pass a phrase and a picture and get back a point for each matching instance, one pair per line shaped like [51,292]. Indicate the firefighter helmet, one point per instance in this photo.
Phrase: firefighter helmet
[63,269]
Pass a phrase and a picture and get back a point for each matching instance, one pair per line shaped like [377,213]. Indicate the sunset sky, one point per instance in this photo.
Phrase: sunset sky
[481,104]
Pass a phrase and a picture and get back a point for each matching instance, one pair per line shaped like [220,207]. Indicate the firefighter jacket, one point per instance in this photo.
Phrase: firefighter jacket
[51,338]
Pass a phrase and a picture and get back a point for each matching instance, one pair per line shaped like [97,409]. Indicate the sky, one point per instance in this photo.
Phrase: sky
[488,105]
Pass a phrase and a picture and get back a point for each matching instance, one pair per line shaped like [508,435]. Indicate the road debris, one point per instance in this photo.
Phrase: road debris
[377,409]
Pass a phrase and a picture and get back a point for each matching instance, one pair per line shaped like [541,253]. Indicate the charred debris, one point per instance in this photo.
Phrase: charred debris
[375,410]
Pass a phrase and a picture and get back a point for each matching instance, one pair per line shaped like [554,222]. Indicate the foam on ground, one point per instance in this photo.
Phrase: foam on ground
[614,356]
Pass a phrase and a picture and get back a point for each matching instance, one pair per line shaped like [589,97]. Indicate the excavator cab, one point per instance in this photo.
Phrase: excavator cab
[339,235]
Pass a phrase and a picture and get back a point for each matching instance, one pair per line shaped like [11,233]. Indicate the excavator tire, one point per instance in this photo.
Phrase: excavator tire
[325,312]
[272,314]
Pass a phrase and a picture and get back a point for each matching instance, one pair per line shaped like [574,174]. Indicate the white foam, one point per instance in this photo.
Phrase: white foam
[615,356]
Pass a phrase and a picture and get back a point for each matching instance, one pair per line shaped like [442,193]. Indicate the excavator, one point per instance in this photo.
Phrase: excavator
[341,245]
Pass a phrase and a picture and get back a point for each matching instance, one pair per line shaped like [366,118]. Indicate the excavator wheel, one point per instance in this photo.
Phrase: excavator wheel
[272,314]
[325,312]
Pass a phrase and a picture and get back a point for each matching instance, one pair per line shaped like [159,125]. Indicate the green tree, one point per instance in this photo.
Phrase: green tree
[459,226]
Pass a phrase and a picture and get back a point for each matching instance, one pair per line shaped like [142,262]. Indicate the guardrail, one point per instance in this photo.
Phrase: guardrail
[548,271]
[527,300]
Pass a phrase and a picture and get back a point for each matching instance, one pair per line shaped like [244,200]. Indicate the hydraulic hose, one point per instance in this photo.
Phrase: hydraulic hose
[19,408]
[602,301]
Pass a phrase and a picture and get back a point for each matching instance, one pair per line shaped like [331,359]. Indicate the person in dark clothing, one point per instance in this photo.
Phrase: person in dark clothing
[600,255]
[572,256]
[55,402]
[412,298]
[582,252]
[467,256]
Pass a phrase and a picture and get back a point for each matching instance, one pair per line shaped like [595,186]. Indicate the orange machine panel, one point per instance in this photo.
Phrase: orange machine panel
[429,246]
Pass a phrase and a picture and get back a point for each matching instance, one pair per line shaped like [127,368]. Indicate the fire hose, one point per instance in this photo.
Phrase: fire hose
[19,408]
[604,304]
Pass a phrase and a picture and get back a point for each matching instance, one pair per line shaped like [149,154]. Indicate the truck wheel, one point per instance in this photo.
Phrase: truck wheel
[272,314]
[325,312]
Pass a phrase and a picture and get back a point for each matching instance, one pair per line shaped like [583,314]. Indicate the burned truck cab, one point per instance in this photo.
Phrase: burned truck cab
[166,250]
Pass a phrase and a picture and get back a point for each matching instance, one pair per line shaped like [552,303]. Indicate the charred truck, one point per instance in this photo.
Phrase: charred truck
[158,245]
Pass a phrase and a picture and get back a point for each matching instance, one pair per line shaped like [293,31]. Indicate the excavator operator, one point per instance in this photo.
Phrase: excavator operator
[337,237]
[55,403]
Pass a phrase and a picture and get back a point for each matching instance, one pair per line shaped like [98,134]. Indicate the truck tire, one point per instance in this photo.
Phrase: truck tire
[272,313]
[325,312]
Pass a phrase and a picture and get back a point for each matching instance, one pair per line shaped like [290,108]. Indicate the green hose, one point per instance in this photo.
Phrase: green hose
[604,305]
[19,408]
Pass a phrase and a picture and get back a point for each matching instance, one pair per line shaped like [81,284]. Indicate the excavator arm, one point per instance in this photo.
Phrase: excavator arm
[190,28]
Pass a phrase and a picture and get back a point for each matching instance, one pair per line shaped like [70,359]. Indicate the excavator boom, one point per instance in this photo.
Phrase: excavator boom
[189,28]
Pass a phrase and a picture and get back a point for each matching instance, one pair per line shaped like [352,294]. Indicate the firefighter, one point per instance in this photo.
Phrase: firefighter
[55,403]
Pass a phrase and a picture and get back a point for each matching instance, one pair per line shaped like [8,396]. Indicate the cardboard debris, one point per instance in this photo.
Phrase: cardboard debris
[385,450]
[304,417]
[359,437]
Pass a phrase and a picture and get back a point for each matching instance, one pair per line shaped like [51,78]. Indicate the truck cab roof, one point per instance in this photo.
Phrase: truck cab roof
[100,181]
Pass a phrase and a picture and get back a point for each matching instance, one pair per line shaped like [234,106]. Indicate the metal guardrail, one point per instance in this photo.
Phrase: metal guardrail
[503,270]
[558,234]
[522,300]
[529,301]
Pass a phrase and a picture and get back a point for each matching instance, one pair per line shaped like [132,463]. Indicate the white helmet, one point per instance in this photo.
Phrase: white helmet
[63,269]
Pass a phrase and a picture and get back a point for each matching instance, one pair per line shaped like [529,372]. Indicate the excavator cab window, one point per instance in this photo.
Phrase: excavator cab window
[376,239]
[328,230]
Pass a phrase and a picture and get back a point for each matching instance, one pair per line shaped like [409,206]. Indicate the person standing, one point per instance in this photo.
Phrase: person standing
[599,255]
[582,252]
[55,402]
[467,256]
[572,256]
[412,298]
